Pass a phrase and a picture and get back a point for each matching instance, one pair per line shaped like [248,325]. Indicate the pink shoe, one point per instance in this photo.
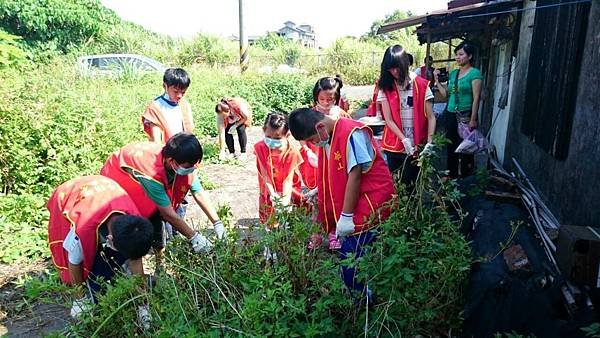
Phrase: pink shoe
[334,243]
[315,241]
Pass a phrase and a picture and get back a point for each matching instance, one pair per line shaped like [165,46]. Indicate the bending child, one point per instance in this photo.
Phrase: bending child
[277,163]
[354,183]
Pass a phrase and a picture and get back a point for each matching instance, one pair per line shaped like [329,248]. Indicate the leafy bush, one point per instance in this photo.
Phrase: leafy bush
[68,23]
[235,291]
[209,50]
[23,220]
[418,267]
[11,53]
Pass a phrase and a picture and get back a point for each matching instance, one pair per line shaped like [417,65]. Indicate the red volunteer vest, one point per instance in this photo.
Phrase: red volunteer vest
[277,167]
[234,108]
[146,158]
[154,114]
[372,110]
[390,141]
[308,172]
[376,185]
[84,203]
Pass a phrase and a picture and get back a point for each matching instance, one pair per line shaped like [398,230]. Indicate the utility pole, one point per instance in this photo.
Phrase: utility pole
[243,40]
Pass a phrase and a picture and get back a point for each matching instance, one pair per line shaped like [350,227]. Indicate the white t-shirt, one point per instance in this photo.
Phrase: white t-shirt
[172,114]
[73,247]
[406,107]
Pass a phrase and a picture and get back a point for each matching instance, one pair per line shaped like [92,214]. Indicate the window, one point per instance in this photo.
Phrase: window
[556,49]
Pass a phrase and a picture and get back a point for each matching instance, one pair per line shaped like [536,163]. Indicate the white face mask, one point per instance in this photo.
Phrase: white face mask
[322,107]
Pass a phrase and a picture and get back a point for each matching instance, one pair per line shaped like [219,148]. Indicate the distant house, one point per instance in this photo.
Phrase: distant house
[251,38]
[303,34]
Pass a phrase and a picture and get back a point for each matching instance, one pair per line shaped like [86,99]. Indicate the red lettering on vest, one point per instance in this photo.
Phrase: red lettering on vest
[376,185]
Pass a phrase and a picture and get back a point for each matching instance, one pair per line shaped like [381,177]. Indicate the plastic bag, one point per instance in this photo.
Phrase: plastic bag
[474,142]
[463,130]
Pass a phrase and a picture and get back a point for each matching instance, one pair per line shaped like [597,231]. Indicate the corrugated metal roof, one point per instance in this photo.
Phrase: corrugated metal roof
[440,14]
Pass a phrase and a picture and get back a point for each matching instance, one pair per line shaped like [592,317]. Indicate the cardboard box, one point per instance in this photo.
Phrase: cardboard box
[578,254]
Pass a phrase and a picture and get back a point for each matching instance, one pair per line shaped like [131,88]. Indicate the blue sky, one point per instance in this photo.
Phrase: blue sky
[330,19]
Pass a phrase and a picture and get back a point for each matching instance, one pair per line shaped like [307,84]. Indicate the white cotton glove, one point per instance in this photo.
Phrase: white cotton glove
[313,159]
[269,255]
[81,306]
[274,197]
[408,145]
[144,317]
[428,150]
[219,229]
[311,193]
[345,226]
[200,244]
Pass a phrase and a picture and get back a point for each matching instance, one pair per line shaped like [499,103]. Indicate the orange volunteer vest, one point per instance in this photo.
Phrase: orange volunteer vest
[234,108]
[154,114]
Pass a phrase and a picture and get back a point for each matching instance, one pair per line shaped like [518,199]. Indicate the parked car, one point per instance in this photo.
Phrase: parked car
[115,64]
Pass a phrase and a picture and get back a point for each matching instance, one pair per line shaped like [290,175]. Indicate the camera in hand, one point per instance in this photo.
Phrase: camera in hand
[443,75]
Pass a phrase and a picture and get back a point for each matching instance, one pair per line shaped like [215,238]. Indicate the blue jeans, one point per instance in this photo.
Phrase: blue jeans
[353,246]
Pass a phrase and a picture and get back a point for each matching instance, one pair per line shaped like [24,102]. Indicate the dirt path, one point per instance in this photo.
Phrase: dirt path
[237,186]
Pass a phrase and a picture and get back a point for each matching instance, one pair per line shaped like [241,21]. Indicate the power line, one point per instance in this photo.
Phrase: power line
[525,9]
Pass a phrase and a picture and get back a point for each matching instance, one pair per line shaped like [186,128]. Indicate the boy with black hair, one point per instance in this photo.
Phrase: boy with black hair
[169,113]
[354,183]
[94,228]
[158,178]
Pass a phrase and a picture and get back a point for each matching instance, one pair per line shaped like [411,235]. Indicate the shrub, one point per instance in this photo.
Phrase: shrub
[67,22]
[209,50]
[11,53]
[234,291]
[23,220]
[419,266]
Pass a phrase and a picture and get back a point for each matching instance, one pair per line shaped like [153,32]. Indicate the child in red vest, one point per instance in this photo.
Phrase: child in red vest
[278,169]
[94,228]
[327,97]
[407,107]
[354,183]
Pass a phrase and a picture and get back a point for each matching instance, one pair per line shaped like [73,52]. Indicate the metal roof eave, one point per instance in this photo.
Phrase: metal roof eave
[421,19]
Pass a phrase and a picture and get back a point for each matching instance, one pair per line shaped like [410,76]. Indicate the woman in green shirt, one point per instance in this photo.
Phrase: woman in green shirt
[463,92]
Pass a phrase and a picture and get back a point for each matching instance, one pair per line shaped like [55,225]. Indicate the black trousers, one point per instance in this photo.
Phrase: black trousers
[405,166]
[241,131]
[466,162]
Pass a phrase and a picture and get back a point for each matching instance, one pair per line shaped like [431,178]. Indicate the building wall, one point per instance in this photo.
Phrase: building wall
[570,187]
[502,87]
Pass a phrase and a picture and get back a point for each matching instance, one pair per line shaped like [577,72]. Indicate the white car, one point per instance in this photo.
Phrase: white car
[115,64]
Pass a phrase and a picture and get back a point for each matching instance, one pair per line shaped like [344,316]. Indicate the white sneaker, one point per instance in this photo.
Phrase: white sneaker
[242,157]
